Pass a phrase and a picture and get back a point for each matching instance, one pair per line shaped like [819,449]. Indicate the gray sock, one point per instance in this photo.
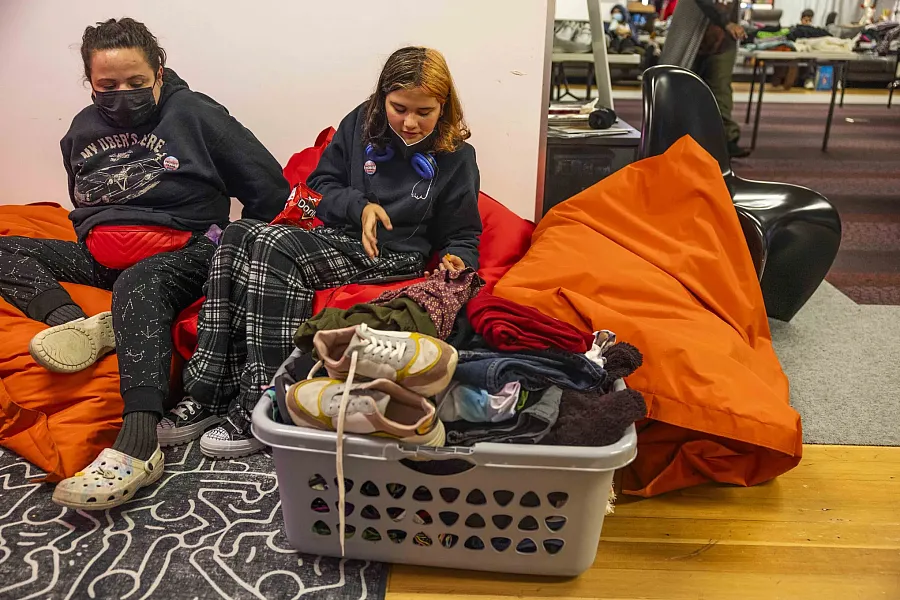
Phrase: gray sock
[64,314]
[138,435]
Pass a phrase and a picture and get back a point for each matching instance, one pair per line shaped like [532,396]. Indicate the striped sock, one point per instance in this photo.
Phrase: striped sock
[64,314]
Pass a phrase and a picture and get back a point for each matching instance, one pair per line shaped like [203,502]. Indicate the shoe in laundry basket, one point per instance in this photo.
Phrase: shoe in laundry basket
[378,407]
[420,363]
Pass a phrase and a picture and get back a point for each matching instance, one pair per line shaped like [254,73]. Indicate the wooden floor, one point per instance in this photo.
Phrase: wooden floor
[828,530]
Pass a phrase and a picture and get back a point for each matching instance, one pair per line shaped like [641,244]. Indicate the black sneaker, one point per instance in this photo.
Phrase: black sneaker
[227,441]
[185,423]
[735,151]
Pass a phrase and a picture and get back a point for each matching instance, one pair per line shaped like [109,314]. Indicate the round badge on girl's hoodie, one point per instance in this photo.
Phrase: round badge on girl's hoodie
[369,167]
[170,163]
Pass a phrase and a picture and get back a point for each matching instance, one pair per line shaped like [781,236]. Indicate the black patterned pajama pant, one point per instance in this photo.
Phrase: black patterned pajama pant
[146,298]
[260,290]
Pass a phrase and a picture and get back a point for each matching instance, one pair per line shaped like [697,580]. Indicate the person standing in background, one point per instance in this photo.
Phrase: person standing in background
[715,63]
[703,37]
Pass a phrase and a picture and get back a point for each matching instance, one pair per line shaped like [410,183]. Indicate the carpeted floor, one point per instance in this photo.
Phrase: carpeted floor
[860,175]
[210,529]
[842,361]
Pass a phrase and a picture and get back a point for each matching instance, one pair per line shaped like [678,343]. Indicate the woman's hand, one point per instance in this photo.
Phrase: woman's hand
[449,263]
[371,215]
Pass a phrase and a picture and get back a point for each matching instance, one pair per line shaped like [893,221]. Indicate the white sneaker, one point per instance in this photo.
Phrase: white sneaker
[227,441]
[74,346]
[583,34]
[420,363]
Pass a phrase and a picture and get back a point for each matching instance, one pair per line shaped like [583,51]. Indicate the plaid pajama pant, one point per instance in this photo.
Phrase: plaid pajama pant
[260,289]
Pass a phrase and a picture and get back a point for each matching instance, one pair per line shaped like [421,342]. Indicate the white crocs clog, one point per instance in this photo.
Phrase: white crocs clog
[112,479]
[74,346]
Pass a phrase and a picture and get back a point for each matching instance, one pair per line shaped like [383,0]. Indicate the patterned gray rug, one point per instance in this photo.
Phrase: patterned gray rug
[210,529]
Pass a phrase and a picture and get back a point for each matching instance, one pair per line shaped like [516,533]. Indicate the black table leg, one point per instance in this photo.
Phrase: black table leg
[843,83]
[750,99]
[759,101]
[895,82]
[839,71]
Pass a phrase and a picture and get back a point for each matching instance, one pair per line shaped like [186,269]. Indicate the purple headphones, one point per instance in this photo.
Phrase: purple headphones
[423,164]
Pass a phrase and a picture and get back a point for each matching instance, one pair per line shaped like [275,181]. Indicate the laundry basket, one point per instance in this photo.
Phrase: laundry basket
[494,507]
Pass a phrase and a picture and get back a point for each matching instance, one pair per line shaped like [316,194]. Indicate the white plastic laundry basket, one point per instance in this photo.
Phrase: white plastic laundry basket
[513,508]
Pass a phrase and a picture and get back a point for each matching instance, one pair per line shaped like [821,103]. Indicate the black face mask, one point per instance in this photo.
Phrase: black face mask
[126,108]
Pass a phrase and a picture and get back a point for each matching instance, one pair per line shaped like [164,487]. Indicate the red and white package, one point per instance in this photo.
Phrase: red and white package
[300,209]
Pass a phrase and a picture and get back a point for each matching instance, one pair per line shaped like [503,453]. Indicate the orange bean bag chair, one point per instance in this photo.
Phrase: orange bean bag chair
[58,422]
[655,253]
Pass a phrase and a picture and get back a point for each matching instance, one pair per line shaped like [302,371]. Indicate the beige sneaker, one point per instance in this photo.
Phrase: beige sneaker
[73,346]
[379,407]
[420,363]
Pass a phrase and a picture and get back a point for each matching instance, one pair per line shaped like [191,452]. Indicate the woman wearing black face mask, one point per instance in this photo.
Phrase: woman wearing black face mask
[152,166]
[398,183]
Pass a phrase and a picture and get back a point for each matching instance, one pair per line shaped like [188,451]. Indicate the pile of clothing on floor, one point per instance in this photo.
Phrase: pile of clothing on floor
[444,362]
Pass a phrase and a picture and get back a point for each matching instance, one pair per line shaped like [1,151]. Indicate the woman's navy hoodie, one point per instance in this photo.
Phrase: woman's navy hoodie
[178,170]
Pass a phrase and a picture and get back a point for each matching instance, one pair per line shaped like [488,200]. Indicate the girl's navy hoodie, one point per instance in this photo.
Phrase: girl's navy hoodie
[438,216]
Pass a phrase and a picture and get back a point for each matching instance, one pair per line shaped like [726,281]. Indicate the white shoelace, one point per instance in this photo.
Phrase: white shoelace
[384,349]
[184,409]
[339,456]
[339,460]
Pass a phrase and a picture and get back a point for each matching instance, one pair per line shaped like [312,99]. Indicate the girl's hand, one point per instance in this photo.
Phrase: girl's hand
[371,215]
[449,263]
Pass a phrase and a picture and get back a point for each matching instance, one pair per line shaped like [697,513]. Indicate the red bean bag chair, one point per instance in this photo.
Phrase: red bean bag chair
[504,241]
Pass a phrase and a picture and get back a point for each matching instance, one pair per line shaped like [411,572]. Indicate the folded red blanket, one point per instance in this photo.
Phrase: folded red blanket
[508,326]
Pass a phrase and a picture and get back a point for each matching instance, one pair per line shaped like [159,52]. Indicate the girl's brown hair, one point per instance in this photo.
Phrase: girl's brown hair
[413,67]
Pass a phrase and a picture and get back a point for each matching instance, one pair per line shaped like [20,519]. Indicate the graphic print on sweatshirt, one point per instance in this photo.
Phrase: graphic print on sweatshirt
[125,175]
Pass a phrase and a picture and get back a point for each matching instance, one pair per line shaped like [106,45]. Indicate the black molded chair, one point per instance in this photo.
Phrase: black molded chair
[793,233]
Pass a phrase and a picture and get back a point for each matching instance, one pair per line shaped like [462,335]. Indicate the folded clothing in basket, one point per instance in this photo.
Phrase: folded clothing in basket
[592,419]
[535,370]
[509,326]
[530,426]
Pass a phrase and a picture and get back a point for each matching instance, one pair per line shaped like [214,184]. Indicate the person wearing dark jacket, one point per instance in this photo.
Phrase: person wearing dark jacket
[622,37]
[715,62]
[152,166]
[398,182]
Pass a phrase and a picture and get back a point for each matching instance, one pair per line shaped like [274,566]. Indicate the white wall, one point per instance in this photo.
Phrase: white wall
[576,10]
[286,69]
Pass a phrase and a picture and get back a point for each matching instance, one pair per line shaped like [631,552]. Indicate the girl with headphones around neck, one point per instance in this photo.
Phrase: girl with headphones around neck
[398,183]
